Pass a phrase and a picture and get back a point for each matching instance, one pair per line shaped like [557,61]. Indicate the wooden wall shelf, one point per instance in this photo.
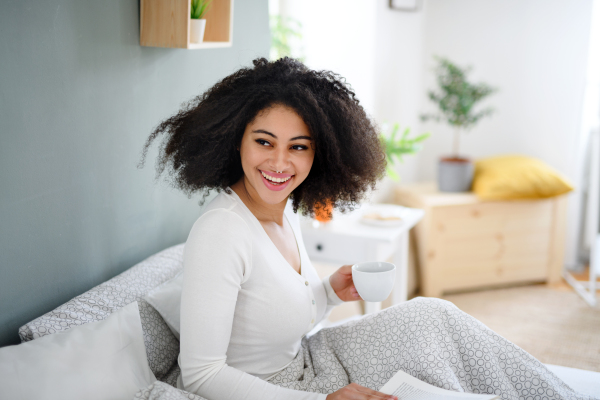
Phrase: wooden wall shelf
[166,23]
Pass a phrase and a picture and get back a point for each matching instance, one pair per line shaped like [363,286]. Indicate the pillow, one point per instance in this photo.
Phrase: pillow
[100,360]
[514,177]
[171,377]
[162,347]
[166,299]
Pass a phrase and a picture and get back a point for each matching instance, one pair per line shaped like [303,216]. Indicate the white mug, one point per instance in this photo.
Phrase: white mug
[374,280]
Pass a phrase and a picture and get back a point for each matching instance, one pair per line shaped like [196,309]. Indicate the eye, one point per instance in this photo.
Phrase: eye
[299,147]
[262,142]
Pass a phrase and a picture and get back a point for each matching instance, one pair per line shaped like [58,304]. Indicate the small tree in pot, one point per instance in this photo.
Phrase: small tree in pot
[456,100]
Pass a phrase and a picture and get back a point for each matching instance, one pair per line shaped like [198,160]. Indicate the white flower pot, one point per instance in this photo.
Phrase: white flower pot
[197,30]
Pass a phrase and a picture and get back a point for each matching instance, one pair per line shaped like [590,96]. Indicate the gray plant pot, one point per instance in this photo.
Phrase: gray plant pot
[454,174]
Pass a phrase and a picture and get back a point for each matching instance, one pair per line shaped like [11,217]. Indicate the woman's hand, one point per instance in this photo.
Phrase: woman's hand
[356,392]
[343,285]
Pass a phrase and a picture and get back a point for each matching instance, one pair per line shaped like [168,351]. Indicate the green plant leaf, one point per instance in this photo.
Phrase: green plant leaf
[199,8]
[395,147]
[391,173]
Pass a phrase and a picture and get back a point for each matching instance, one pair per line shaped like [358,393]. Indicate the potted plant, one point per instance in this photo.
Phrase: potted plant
[197,24]
[396,147]
[456,100]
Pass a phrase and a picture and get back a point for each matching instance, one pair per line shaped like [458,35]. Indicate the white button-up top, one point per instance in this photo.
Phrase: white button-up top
[244,309]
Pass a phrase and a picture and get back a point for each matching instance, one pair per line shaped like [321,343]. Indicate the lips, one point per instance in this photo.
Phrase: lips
[275,186]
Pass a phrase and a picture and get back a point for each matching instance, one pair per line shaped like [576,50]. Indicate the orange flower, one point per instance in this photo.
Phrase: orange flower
[323,212]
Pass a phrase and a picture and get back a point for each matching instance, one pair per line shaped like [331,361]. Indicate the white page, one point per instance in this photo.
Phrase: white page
[407,387]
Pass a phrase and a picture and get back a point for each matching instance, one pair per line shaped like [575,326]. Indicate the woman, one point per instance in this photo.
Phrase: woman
[272,140]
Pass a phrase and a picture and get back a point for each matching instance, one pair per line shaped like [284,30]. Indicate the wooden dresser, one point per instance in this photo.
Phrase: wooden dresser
[464,243]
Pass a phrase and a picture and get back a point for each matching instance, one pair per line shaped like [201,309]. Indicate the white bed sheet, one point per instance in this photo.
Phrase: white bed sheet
[587,382]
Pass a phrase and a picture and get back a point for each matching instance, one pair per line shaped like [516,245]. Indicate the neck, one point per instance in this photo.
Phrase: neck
[264,212]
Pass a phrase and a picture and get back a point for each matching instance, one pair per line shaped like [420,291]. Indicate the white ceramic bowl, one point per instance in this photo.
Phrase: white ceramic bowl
[374,281]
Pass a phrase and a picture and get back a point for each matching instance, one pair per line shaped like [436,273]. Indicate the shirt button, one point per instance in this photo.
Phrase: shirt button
[306,283]
[312,321]
[313,302]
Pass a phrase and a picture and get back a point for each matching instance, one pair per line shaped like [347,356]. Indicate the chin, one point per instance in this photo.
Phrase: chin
[273,197]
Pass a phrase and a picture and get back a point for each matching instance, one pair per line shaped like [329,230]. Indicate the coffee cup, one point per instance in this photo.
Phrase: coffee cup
[374,280]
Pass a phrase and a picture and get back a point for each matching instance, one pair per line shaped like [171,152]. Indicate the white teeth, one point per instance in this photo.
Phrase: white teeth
[273,179]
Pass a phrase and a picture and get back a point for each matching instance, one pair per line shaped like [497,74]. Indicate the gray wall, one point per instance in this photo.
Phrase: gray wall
[78,98]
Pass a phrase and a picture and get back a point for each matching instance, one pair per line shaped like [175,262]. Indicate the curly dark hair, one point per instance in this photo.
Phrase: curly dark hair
[201,141]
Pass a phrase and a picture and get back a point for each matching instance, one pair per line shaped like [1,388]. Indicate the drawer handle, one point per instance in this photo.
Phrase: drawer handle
[319,247]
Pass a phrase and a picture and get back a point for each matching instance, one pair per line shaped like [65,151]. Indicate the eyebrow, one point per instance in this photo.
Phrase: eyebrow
[269,133]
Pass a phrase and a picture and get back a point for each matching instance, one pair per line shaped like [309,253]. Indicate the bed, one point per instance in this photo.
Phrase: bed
[112,333]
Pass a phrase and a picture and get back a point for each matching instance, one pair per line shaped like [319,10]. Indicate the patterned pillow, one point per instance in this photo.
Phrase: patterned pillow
[170,377]
[162,348]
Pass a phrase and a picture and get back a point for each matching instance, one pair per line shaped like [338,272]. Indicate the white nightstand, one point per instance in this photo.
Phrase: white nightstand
[346,240]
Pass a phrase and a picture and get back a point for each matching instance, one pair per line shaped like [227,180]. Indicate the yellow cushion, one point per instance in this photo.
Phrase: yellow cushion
[517,177]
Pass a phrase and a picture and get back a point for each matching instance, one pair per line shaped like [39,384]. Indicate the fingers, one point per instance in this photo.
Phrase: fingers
[370,393]
[346,269]
[353,292]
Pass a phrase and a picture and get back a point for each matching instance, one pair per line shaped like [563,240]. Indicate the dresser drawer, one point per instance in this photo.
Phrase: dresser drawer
[493,217]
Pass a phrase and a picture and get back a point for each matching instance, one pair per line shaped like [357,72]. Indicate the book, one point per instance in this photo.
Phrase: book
[407,387]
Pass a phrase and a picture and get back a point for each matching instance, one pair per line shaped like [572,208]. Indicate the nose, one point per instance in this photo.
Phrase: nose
[280,160]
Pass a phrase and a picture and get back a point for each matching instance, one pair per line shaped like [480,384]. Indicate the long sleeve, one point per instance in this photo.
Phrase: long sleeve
[217,261]
[332,298]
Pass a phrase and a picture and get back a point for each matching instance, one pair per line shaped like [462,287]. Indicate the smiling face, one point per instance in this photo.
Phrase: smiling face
[276,153]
